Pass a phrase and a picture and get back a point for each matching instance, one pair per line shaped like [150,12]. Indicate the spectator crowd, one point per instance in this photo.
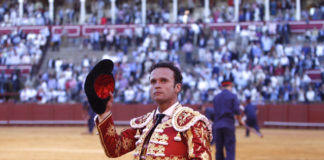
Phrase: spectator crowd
[271,68]
[158,12]
[21,48]
[268,63]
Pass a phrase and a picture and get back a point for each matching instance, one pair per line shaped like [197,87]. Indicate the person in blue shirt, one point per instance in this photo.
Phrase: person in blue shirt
[90,117]
[226,109]
[250,111]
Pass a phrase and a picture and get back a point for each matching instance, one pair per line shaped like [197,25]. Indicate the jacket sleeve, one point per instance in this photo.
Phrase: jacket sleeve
[115,145]
[198,141]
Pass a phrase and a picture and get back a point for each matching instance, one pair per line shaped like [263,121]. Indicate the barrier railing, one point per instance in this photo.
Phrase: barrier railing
[85,30]
[275,115]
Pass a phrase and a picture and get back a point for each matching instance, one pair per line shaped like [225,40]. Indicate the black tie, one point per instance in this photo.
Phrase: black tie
[158,120]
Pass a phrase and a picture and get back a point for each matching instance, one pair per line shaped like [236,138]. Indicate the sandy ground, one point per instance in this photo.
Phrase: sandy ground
[67,143]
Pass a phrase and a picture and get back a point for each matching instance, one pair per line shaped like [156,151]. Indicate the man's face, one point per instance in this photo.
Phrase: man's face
[162,88]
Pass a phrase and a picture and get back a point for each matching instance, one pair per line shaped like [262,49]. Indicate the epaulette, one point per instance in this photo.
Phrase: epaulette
[140,122]
[185,117]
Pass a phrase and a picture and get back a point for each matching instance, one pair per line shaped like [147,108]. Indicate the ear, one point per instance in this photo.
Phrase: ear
[178,87]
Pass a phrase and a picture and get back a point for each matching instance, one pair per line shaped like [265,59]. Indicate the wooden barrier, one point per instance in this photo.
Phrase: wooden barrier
[26,114]
[292,115]
[279,115]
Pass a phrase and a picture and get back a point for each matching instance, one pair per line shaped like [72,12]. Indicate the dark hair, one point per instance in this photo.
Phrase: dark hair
[176,70]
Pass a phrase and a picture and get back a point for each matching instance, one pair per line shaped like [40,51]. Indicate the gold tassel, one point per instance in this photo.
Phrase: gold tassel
[178,137]
[137,134]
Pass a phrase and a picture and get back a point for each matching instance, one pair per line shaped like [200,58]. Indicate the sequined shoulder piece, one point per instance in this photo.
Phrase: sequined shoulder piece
[140,122]
[185,117]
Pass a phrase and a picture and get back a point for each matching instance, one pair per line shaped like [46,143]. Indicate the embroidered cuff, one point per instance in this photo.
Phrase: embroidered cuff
[103,118]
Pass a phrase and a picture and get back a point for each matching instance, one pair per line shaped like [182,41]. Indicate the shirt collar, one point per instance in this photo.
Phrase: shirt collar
[169,111]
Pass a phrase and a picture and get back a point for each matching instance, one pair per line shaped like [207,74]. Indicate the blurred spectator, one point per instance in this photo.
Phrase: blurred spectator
[310,94]
[56,41]
[3,83]
[321,92]
[129,12]
[28,94]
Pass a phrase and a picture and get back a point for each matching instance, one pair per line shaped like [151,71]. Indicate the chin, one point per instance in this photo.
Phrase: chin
[158,100]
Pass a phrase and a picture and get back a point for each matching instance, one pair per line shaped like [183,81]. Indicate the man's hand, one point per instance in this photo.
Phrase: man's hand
[108,108]
[239,118]
[242,122]
[110,102]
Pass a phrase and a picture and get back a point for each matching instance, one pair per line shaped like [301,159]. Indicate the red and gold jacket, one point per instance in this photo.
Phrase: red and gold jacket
[185,135]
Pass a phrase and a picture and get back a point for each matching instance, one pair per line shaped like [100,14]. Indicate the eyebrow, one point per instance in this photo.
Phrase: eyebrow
[161,78]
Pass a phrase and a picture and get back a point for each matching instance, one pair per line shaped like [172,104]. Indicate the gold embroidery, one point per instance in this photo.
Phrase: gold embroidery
[205,138]
[183,117]
[190,143]
[102,141]
[165,158]
[167,124]
[205,156]
[145,132]
[138,134]
[136,157]
[164,125]
[118,146]
[137,150]
[142,121]
[141,139]
[177,137]
[197,131]
[155,150]
[159,138]
[202,134]
[127,143]
[111,130]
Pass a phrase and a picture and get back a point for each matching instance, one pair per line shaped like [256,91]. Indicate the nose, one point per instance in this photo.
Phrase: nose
[156,85]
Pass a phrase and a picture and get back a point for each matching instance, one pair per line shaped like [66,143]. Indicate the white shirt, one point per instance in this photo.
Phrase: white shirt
[168,112]
[267,43]
[310,95]
[27,94]
[129,95]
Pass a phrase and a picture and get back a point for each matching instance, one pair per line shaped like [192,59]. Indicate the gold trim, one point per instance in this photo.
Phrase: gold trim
[200,132]
[189,137]
[103,121]
[155,150]
[143,120]
[111,130]
[127,143]
[139,145]
[177,137]
[205,156]
[101,136]
[159,138]
[165,158]
[184,118]
[118,147]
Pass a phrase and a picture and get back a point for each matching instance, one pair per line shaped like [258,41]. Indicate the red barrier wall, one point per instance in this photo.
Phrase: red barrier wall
[11,113]
[291,115]
[280,115]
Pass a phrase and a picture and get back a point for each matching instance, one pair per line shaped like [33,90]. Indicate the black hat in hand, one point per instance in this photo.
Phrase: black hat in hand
[98,84]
